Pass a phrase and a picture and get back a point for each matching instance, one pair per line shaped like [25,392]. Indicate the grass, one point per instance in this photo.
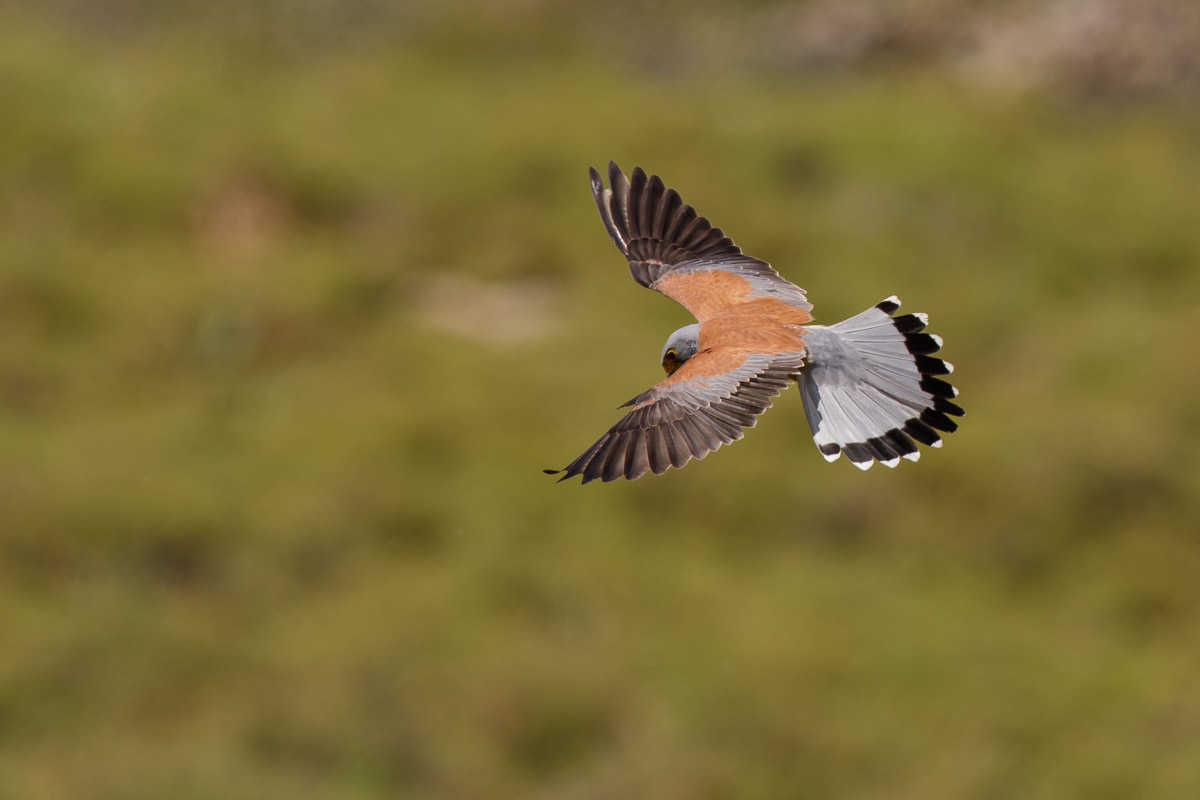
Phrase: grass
[275,522]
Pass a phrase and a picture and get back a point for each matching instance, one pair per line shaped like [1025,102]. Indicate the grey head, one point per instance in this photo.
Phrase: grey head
[681,345]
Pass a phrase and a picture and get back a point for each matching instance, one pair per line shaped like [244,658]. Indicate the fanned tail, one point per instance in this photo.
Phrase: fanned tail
[870,388]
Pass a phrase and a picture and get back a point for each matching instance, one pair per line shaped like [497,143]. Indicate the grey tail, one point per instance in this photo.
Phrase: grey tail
[870,389]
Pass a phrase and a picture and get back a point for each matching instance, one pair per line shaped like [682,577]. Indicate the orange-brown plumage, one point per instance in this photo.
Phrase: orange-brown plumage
[764,325]
[708,293]
[705,293]
[707,363]
[758,326]
[733,321]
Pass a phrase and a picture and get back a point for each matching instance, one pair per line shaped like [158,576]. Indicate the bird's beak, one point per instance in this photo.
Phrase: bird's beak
[669,367]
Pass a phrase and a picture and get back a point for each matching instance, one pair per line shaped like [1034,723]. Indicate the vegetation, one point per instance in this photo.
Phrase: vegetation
[295,307]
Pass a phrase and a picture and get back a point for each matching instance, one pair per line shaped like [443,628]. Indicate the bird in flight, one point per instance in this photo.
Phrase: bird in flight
[869,384]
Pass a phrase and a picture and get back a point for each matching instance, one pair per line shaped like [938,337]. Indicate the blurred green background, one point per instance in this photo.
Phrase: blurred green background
[298,298]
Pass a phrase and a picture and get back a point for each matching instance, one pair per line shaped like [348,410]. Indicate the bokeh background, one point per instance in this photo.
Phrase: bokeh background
[298,298]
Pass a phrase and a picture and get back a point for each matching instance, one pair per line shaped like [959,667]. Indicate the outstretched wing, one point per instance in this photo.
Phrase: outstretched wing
[705,404]
[675,251]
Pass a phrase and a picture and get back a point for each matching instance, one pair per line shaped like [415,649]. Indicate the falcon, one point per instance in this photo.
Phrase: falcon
[869,384]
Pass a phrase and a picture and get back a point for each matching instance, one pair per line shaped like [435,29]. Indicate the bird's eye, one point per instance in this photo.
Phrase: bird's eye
[670,355]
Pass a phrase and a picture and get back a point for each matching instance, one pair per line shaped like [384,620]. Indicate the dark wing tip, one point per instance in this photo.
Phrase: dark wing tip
[594,174]
[614,174]
[567,476]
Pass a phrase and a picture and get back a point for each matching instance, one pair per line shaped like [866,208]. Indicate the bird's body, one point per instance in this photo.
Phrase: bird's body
[867,383]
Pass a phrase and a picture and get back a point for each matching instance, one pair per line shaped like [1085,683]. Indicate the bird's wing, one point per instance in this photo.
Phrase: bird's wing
[706,403]
[674,251]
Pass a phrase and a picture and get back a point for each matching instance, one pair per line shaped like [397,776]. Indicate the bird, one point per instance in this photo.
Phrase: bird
[869,384]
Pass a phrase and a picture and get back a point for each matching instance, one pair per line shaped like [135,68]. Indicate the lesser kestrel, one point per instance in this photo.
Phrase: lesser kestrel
[868,383]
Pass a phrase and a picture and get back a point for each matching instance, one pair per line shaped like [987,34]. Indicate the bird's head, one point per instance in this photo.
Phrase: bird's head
[681,345]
